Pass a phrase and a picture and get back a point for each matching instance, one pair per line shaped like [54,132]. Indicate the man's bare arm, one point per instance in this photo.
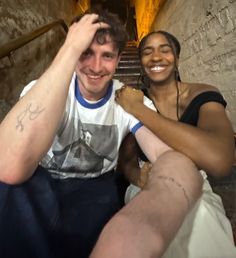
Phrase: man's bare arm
[28,130]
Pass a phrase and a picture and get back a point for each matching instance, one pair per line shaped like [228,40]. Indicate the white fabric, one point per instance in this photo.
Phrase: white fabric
[87,143]
[206,231]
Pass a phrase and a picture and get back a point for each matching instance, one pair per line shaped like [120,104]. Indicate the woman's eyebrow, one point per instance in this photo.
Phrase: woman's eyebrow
[165,45]
[147,47]
[161,45]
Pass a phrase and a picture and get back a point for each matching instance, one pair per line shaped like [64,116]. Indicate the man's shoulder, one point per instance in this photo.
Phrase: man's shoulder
[148,102]
[27,88]
[117,84]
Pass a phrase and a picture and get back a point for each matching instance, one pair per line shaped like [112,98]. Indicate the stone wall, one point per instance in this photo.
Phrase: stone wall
[145,12]
[207,32]
[18,17]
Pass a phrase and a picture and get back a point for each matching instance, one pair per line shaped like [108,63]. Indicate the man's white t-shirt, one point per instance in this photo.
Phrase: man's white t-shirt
[88,140]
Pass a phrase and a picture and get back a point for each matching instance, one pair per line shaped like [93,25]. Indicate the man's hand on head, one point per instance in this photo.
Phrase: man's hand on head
[81,33]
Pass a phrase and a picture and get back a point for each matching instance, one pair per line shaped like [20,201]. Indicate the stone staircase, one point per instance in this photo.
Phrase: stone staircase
[128,69]
[226,189]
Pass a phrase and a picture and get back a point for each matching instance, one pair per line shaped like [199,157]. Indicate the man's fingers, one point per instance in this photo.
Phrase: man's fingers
[117,94]
[102,25]
[92,16]
[93,19]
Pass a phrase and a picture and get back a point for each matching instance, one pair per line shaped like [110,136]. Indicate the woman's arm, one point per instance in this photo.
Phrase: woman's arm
[210,145]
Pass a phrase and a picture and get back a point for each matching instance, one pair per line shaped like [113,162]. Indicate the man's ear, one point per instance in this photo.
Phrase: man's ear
[118,59]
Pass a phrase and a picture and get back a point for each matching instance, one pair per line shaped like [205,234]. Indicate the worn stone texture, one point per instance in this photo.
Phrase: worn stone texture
[206,30]
[17,18]
[145,12]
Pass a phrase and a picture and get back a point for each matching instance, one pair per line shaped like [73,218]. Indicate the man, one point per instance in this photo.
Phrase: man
[68,122]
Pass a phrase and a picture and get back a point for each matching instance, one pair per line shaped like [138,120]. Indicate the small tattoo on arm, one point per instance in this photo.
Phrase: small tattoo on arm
[171,179]
[31,113]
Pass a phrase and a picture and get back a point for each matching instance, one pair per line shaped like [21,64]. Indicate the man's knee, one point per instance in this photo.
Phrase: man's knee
[178,171]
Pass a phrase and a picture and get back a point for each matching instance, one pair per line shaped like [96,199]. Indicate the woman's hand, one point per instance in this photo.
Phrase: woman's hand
[144,174]
[128,97]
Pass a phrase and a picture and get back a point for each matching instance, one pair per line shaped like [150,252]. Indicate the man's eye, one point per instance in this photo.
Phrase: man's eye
[86,54]
[108,56]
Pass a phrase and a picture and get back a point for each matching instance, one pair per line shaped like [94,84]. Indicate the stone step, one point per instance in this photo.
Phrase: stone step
[128,69]
[129,62]
[130,51]
[130,54]
[128,57]
[135,74]
[127,75]
[127,66]
[226,188]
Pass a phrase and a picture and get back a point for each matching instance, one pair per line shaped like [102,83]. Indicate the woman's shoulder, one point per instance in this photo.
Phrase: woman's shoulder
[195,92]
[198,88]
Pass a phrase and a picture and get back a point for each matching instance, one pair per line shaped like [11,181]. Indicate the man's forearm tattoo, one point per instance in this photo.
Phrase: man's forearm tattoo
[31,113]
[171,179]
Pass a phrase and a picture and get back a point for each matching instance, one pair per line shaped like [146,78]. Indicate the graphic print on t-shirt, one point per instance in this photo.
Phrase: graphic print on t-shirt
[95,145]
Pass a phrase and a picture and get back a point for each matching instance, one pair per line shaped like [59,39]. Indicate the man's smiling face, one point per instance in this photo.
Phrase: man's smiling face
[95,69]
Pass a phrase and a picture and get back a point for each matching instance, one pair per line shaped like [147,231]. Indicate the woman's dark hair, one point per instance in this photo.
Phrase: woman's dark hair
[176,48]
[116,30]
[174,44]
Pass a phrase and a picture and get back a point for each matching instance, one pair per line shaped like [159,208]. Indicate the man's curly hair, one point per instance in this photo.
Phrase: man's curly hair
[116,31]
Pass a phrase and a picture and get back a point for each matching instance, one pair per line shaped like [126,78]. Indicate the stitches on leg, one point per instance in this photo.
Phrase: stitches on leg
[171,179]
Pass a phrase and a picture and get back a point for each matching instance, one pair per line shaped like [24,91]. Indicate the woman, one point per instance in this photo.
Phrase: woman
[191,119]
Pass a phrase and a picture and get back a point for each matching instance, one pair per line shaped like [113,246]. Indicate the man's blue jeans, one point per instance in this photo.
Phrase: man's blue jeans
[47,218]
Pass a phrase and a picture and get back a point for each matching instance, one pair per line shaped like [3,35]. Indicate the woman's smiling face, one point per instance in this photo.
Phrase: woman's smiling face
[157,58]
